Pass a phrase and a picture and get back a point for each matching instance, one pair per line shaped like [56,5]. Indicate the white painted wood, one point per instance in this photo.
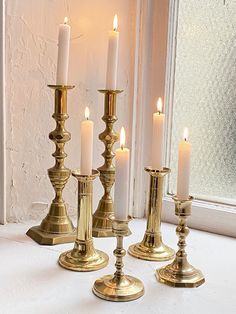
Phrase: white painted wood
[150,85]
[32,282]
[2,116]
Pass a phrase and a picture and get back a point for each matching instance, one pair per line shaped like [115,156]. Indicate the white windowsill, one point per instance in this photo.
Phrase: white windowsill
[32,281]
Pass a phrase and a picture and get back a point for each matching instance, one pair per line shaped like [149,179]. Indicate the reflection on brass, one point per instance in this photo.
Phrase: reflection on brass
[57,227]
[180,273]
[84,257]
[152,248]
[119,287]
[102,226]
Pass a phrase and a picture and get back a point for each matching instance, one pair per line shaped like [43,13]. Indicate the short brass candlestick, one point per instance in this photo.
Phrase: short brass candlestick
[152,248]
[57,227]
[119,287]
[102,226]
[180,273]
[84,257]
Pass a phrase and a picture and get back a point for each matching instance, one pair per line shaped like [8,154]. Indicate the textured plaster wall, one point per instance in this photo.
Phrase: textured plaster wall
[31,50]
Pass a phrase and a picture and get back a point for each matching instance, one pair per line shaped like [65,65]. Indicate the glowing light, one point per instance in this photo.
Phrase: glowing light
[122,138]
[159,105]
[186,134]
[86,113]
[66,20]
[115,23]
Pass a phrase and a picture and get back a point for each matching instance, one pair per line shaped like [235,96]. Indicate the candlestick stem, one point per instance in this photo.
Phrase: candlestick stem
[180,273]
[84,257]
[152,248]
[57,227]
[119,287]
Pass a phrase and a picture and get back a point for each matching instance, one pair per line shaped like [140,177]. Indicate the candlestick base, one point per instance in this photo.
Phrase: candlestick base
[83,257]
[177,276]
[151,249]
[45,238]
[127,288]
[180,273]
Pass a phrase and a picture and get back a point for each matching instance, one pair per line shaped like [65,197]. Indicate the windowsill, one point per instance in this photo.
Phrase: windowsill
[33,282]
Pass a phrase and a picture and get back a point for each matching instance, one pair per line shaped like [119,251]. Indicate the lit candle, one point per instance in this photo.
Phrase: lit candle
[86,145]
[158,137]
[122,180]
[112,57]
[184,167]
[63,53]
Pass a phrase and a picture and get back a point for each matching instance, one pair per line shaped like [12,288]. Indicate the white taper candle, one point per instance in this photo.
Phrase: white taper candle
[184,167]
[112,56]
[63,53]
[121,196]
[86,159]
[158,128]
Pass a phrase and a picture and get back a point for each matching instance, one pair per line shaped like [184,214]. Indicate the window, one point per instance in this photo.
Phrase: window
[201,95]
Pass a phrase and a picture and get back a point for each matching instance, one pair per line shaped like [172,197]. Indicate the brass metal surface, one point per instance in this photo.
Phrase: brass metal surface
[56,227]
[119,287]
[102,226]
[180,273]
[84,257]
[152,248]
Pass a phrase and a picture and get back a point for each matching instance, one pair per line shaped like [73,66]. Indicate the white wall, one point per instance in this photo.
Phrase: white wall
[31,50]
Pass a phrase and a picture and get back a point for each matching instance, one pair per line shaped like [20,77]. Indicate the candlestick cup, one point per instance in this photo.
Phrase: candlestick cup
[84,257]
[180,273]
[152,248]
[119,287]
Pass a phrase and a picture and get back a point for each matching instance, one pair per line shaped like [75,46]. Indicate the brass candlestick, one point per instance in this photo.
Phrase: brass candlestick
[84,257]
[152,248]
[119,287]
[57,227]
[102,226]
[180,273]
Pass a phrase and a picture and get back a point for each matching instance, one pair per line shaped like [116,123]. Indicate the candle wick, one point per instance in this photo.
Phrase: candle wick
[122,146]
[159,112]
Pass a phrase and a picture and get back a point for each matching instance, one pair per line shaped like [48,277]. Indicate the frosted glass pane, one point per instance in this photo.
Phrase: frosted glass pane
[205,97]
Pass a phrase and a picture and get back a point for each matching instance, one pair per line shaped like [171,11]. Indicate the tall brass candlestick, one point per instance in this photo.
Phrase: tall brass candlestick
[152,248]
[119,287]
[102,226]
[84,257]
[57,227]
[180,273]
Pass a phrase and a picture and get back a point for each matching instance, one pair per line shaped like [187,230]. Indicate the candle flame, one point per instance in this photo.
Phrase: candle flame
[122,138]
[159,105]
[186,134]
[65,20]
[86,113]
[115,23]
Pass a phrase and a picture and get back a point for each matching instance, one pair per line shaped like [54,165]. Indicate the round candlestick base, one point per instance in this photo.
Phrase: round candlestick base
[75,261]
[126,288]
[151,249]
[186,277]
